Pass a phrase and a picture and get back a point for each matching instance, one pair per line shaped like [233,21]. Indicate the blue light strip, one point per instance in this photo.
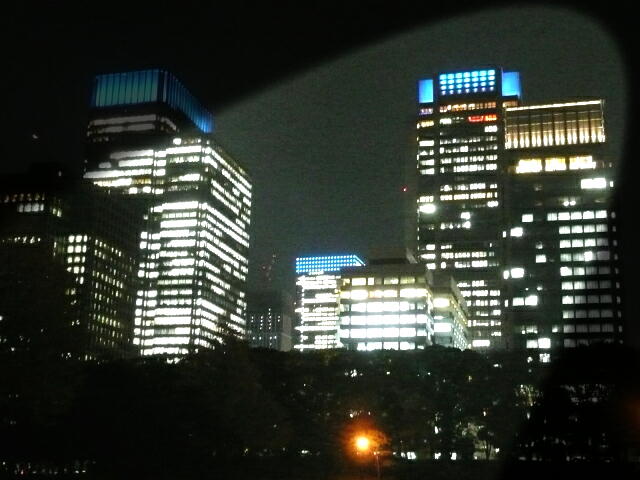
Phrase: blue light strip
[511,84]
[149,86]
[473,81]
[425,90]
[332,263]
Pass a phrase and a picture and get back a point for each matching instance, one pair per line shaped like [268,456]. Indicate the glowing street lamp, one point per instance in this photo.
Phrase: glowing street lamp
[362,443]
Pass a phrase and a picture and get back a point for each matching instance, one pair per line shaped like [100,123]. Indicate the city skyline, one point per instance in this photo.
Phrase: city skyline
[325,129]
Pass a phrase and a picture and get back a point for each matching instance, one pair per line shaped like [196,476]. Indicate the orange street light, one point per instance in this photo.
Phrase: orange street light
[362,443]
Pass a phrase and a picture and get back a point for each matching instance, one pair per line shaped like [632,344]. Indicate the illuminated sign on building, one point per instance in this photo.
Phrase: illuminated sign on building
[470,82]
[332,263]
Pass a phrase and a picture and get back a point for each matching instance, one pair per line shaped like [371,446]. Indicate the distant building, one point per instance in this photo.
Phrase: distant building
[148,140]
[561,265]
[387,304]
[270,317]
[514,201]
[67,268]
[193,250]
[449,313]
[317,305]
[459,200]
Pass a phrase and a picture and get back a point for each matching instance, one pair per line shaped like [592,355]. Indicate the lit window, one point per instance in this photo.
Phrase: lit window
[529,165]
[554,164]
[593,183]
[544,343]
[517,272]
[581,162]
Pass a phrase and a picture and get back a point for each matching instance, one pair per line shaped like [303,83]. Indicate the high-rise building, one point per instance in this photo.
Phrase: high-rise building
[460,160]
[270,316]
[67,269]
[149,141]
[317,302]
[561,265]
[386,305]
[514,201]
[450,313]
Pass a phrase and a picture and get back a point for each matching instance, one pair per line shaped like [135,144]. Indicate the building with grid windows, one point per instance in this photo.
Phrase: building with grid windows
[270,317]
[514,202]
[459,191]
[561,266]
[67,269]
[450,313]
[149,141]
[386,305]
[317,303]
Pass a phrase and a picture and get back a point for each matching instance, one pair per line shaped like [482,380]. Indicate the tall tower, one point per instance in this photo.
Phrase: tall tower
[149,141]
[460,162]
[561,272]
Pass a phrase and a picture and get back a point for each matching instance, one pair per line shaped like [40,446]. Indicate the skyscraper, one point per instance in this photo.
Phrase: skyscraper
[561,265]
[317,302]
[459,201]
[149,140]
[513,200]
[67,269]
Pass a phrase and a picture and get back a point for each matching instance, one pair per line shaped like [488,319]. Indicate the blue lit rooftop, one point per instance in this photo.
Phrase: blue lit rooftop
[329,263]
[469,82]
[149,86]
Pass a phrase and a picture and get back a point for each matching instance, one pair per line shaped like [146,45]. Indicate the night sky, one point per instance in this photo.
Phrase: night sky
[318,101]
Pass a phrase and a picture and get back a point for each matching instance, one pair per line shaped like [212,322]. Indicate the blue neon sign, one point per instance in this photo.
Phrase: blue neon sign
[472,81]
[329,263]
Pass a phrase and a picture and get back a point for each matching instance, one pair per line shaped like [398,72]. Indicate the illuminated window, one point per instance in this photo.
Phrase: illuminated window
[554,164]
[581,162]
[529,165]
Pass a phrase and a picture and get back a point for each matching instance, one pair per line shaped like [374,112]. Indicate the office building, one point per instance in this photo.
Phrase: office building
[386,305]
[460,138]
[270,317]
[149,141]
[67,270]
[193,250]
[561,266]
[514,202]
[317,303]
[450,313]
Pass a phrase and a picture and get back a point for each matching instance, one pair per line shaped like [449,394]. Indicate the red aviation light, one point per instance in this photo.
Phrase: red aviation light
[492,117]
